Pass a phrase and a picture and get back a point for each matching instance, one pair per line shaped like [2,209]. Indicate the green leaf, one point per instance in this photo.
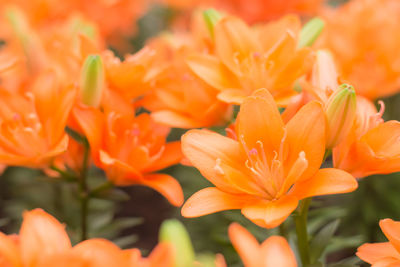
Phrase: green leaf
[321,240]
[126,241]
[112,194]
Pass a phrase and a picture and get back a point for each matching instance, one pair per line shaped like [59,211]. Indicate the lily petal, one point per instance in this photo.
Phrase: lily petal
[174,119]
[41,235]
[391,229]
[245,244]
[259,120]
[210,200]
[271,214]
[212,71]
[306,132]
[172,155]
[219,160]
[374,252]
[277,252]
[325,182]
[234,40]
[166,185]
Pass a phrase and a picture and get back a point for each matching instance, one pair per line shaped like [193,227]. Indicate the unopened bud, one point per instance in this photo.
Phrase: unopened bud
[173,232]
[310,32]
[92,81]
[324,74]
[340,113]
[211,17]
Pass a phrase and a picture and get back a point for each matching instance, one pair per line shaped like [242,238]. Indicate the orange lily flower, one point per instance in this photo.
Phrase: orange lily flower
[366,49]
[43,242]
[248,59]
[131,78]
[372,146]
[268,169]
[275,251]
[386,254]
[130,149]
[120,19]
[162,255]
[253,11]
[33,123]
[60,48]
[180,99]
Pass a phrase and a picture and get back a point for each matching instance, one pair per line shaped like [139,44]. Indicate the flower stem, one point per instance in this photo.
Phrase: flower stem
[301,231]
[84,193]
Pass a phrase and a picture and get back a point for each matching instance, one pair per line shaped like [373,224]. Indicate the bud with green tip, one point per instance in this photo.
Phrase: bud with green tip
[173,232]
[310,32]
[92,81]
[211,17]
[340,114]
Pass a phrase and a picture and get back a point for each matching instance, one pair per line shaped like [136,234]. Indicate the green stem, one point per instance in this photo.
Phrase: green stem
[301,231]
[84,193]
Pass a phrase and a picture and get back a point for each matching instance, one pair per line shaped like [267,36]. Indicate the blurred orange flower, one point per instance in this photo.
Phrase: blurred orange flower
[32,124]
[386,254]
[372,146]
[131,148]
[180,99]
[60,47]
[273,252]
[162,255]
[254,11]
[248,59]
[362,34]
[120,19]
[43,241]
[269,169]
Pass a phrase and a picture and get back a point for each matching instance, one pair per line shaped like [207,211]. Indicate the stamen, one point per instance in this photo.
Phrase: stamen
[297,170]
[231,133]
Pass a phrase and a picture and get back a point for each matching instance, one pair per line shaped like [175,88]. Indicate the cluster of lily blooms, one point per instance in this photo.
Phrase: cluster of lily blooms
[304,95]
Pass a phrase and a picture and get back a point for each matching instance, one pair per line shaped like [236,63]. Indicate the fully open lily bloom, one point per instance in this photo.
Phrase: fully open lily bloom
[268,169]
[43,241]
[366,49]
[131,77]
[251,58]
[273,252]
[180,99]
[386,254]
[32,124]
[372,146]
[131,149]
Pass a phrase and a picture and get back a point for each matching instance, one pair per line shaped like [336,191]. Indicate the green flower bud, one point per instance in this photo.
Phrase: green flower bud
[211,17]
[340,114]
[173,232]
[92,80]
[310,32]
